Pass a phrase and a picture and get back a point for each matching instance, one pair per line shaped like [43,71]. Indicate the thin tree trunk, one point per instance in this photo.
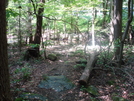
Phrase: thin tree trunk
[19,31]
[125,33]
[93,24]
[112,23]
[30,25]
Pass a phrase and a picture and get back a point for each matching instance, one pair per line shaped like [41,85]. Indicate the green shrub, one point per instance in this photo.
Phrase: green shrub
[24,72]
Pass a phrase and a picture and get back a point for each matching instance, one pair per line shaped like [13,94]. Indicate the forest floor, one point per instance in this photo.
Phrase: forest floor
[104,84]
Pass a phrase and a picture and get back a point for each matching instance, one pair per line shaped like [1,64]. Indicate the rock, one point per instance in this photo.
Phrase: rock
[52,57]
[57,83]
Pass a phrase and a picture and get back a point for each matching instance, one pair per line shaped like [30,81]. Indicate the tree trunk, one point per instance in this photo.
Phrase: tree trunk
[30,24]
[19,31]
[34,52]
[38,34]
[93,24]
[90,64]
[112,22]
[125,33]
[37,37]
[4,71]
[117,26]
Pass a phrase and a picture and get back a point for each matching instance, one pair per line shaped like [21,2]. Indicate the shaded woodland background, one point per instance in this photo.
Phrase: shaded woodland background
[64,37]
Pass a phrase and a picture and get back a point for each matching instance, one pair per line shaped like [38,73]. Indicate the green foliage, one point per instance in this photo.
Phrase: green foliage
[48,43]
[11,13]
[117,43]
[33,45]
[32,97]
[104,59]
[111,82]
[132,94]
[80,65]
[117,98]
[52,57]
[90,89]
[128,50]
[94,99]
[20,99]
[15,81]
[45,77]
[78,52]
[24,72]
[15,0]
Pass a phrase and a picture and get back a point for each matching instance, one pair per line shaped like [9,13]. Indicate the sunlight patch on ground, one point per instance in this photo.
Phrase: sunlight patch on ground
[66,49]
[96,47]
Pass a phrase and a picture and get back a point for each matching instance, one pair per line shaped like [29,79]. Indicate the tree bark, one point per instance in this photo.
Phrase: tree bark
[4,71]
[90,64]
[37,38]
[30,35]
[112,22]
[126,32]
[117,26]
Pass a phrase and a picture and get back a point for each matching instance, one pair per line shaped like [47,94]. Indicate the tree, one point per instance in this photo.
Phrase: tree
[30,24]
[39,18]
[117,23]
[34,51]
[130,18]
[4,71]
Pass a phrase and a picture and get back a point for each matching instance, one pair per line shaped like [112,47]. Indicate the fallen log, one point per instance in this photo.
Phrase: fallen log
[90,64]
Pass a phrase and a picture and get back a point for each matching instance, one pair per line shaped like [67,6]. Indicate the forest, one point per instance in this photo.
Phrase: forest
[66,50]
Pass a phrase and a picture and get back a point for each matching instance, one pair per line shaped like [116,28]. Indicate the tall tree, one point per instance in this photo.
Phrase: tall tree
[30,23]
[117,26]
[130,18]
[38,11]
[112,20]
[4,71]
[39,17]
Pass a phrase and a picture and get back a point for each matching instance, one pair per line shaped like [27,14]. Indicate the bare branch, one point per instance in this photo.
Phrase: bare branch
[34,6]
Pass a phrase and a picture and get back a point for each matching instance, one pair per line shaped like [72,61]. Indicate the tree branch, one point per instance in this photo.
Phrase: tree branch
[35,7]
